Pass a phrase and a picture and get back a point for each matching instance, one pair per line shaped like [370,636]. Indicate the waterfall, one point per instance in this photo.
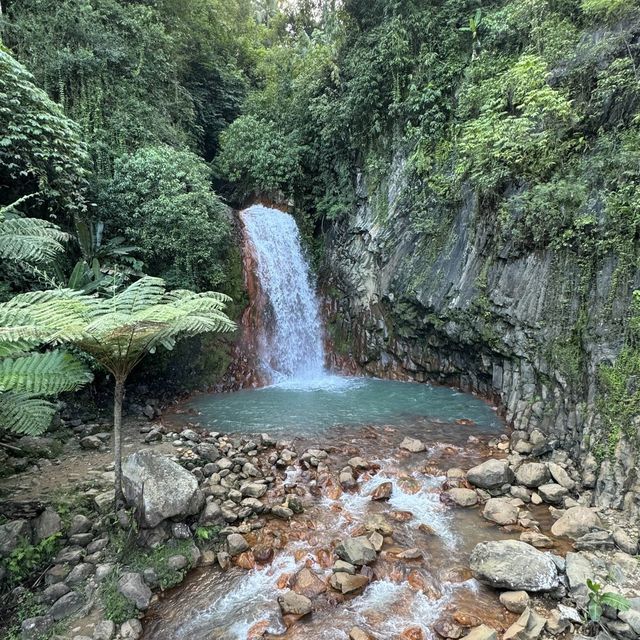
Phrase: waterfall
[290,344]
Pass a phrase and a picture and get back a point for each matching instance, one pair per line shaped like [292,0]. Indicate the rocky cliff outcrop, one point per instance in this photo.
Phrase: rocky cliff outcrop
[527,329]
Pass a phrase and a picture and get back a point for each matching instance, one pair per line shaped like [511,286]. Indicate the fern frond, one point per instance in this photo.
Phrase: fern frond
[143,293]
[30,240]
[23,414]
[42,373]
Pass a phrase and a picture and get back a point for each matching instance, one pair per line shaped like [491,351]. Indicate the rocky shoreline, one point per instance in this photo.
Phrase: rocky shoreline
[216,499]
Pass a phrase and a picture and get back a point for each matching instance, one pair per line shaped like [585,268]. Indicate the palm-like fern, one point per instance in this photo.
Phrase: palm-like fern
[24,376]
[117,331]
[28,239]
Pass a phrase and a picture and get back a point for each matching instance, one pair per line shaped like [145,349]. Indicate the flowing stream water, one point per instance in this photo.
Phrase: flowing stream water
[347,417]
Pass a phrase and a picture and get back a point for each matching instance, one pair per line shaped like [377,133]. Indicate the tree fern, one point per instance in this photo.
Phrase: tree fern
[118,331]
[25,414]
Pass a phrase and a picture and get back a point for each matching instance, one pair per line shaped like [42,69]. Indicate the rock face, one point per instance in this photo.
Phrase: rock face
[513,565]
[463,306]
[490,474]
[158,488]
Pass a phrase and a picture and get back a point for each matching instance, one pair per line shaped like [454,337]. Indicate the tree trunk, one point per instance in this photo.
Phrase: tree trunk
[117,439]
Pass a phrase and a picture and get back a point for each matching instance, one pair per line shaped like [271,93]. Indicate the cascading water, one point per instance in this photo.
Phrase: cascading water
[290,341]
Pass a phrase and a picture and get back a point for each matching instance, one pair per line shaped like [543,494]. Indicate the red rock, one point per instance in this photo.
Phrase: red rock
[409,485]
[263,554]
[413,633]
[448,629]
[465,619]
[283,581]
[307,583]
[426,529]
[258,630]
[402,516]
[245,560]
[382,492]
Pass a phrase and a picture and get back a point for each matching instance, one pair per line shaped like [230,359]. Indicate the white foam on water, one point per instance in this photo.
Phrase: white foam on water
[251,598]
[424,505]
[326,382]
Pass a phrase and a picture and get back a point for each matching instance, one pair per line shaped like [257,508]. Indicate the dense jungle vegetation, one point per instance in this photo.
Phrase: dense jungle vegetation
[131,125]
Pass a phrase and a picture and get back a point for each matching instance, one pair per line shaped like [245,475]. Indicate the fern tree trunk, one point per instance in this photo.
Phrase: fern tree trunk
[117,438]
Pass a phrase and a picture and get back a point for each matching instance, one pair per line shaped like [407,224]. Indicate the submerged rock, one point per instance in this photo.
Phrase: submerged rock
[463,497]
[413,445]
[514,565]
[158,488]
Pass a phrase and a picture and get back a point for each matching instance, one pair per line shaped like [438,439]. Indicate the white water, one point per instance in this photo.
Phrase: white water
[292,350]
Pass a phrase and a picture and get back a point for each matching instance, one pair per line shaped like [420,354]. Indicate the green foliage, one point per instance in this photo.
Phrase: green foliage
[607,8]
[258,157]
[26,558]
[116,606]
[599,599]
[41,152]
[161,200]
[619,388]
[156,559]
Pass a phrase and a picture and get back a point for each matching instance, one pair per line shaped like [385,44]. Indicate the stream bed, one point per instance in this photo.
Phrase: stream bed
[349,417]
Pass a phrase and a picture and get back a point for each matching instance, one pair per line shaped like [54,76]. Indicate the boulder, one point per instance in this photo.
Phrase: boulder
[552,493]
[347,583]
[528,626]
[490,474]
[177,563]
[482,632]
[133,587]
[35,628]
[561,476]
[131,629]
[532,474]
[236,544]
[537,539]
[211,516]
[104,630]
[413,444]
[307,583]
[295,604]
[515,601]
[67,605]
[500,511]
[513,565]
[282,511]
[578,569]
[48,523]
[253,490]
[12,534]
[382,491]
[357,551]
[79,524]
[158,488]
[625,542]
[463,497]
[576,522]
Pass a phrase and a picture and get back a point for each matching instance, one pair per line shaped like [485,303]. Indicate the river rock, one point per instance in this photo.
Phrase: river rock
[552,493]
[561,619]
[347,583]
[490,474]
[536,539]
[236,544]
[177,563]
[578,569]
[48,523]
[211,515]
[513,565]
[463,497]
[532,474]
[500,511]
[104,630]
[131,629]
[132,586]
[482,632]
[12,534]
[576,522]
[79,524]
[625,542]
[341,565]
[158,488]
[561,476]
[35,628]
[413,445]
[357,551]
[448,629]
[294,603]
[307,583]
[528,626]
[514,601]
[282,511]
[253,489]
[382,491]
[65,606]
[358,634]
[54,592]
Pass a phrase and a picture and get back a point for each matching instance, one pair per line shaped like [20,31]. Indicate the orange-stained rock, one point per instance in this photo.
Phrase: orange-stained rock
[258,630]
[245,560]
[382,491]
[324,558]
[427,530]
[409,485]
[413,633]
[283,581]
[307,583]
[402,516]
[465,619]
[299,554]
[263,554]
[334,492]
